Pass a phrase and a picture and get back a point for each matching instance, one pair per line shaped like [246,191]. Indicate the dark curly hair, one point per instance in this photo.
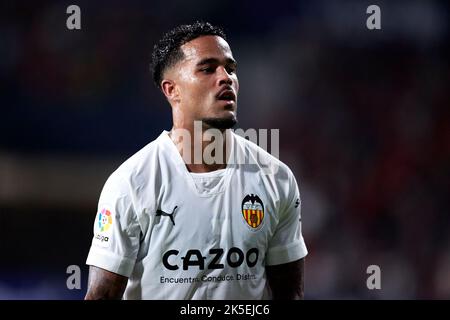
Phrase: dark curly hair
[167,52]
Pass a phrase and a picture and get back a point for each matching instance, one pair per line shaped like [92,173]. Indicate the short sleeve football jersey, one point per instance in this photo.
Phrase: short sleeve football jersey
[182,235]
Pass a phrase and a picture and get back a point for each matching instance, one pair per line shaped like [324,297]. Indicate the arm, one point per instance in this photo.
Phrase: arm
[105,285]
[286,280]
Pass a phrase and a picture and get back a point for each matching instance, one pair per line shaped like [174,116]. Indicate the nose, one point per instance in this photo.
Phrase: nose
[224,77]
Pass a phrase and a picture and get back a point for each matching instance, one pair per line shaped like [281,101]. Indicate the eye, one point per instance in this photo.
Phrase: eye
[207,70]
[231,69]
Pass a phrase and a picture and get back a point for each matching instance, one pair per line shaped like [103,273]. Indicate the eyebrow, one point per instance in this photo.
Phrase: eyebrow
[214,60]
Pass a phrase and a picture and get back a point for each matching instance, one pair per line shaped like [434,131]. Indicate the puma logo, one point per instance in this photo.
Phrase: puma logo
[160,213]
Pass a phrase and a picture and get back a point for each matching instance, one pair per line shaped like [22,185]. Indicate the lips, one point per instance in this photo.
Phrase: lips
[226,94]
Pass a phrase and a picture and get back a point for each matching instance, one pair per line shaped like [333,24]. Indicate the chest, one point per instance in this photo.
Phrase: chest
[244,215]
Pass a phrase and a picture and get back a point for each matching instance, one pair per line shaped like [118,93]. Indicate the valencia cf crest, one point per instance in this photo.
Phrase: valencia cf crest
[253,210]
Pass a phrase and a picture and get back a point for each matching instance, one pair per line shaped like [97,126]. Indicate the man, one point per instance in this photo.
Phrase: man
[171,227]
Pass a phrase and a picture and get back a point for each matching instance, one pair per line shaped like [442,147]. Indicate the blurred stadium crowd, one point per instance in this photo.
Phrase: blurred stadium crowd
[363,118]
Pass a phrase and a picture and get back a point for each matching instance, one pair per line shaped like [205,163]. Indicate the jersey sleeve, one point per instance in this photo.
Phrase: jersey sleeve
[115,244]
[287,243]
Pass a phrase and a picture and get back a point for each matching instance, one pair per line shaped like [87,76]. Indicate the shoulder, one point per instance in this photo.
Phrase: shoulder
[138,168]
[249,153]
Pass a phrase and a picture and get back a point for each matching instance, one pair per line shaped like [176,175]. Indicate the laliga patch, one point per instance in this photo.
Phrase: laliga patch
[103,228]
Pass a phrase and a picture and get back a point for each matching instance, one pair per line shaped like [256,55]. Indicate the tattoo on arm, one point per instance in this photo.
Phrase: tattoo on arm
[287,280]
[105,285]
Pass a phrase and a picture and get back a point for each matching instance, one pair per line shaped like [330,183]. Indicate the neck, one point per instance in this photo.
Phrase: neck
[203,149]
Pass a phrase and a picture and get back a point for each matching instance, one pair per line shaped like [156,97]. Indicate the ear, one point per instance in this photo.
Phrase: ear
[170,90]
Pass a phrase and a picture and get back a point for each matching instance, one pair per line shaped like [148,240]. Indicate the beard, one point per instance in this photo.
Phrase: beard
[220,123]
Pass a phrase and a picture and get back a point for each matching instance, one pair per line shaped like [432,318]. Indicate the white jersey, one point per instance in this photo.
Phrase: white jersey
[183,235]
